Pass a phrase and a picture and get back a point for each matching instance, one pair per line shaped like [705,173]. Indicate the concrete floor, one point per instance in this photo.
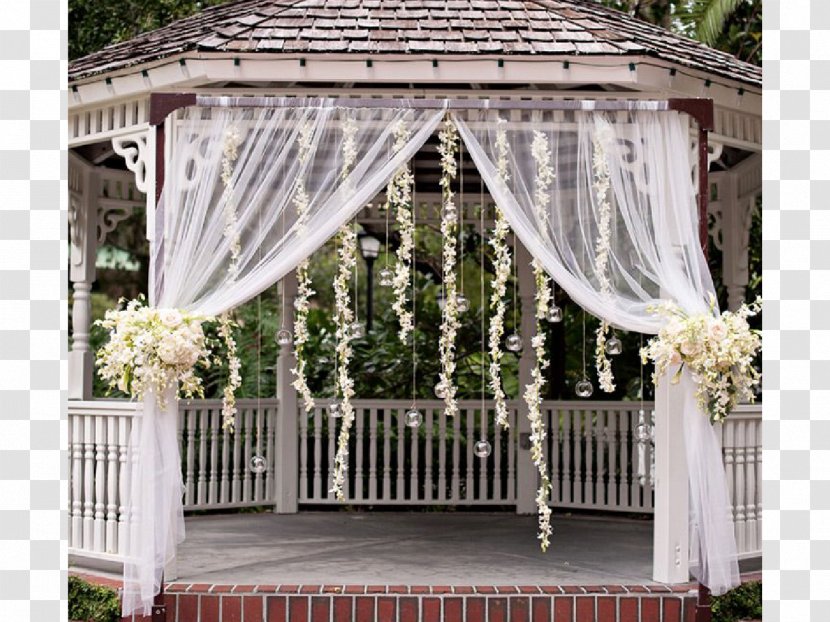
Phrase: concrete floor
[392,548]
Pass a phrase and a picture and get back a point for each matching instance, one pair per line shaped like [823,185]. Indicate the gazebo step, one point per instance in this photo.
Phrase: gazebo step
[400,603]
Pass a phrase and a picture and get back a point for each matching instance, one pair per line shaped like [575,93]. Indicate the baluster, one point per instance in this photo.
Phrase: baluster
[589,489]
[401,491]
[204,433]
[77,480]
[256,441]
[248,417]
[751,533]
[189,416]
[317,456]
[332,427]
[112,486]
[100,525]
[554,434]
[124,426]
[471,440]
[614,494]
[497,450]
[387,451]
[373,455]
[728,430]
[235,469]
[456,453]
[513,415]
[428,454]
[759,515]
[357,492]
[414,439]
[270,432]
[89,481]
[601,486]
[740,489]
[567,479]
[579,469]
[442,454]
[627,494]
[213,482]
[648,488]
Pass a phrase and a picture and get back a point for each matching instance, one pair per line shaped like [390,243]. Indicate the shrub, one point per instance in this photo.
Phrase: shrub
[92,603]
[742,603]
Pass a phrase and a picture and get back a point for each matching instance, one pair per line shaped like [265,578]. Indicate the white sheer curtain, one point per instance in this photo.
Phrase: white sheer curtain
[654,254]
[192,261]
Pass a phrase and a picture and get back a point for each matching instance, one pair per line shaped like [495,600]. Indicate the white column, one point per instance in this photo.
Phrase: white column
[286,472]
[671,486]
[526,476]
[84,245]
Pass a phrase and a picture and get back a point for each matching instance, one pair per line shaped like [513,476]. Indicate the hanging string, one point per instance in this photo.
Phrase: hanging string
[354,225]
[461,217]
[481,258]
[515,286]
[414,358]
[584,341]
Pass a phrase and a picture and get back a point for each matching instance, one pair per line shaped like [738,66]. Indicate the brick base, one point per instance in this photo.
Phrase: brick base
[399,603]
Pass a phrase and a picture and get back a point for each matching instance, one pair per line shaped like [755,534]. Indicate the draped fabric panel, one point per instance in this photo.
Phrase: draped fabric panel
[192,261]
[654,253]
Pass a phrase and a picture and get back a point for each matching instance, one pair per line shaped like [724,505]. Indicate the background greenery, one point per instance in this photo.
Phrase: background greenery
[92,603]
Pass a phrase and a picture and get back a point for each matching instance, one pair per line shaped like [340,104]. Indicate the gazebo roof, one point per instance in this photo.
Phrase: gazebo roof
[573,28]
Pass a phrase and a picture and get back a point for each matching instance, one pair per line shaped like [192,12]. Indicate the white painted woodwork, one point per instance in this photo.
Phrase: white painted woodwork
[285,466]
[526,474]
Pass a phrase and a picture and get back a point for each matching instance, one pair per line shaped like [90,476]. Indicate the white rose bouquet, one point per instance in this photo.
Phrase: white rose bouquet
[150,349]
[718,351]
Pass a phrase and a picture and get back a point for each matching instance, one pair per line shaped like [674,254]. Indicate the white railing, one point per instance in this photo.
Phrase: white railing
[392,464]
[592,455]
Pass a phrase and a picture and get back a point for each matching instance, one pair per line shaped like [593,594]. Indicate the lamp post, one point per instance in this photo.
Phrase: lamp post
[369,250]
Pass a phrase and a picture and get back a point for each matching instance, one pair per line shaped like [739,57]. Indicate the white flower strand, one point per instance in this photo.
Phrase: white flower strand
[399,198]
[346,255]
[602,183]
[230,153]
[499,283]
[304,290]
[717,350]
[533,398]
[234,377]
[448,148]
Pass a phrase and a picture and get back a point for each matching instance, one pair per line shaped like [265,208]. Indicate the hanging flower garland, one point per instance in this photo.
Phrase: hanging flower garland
[347,257]
[717,350]
[399,196]
[533,392]
[304,290]
[602,248]
[499,284]
[448,148]
[230,153]
[234,377]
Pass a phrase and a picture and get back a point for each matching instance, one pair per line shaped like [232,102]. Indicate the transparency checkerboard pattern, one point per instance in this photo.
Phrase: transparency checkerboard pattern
[33,310]
[796,253]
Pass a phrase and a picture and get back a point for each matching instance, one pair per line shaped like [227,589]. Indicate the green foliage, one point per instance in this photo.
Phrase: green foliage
[94,24]
[92,603]
[742,603]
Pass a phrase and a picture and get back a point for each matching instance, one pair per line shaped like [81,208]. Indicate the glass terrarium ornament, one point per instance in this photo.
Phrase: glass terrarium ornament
[357,330]
[413,418]
[584,388]
[440,391]
[462,303]
[284,337]
[334,409]
[554,314]
[482,449]
[450,213]
[513,343]
[386,275]
[258,464]
[613,346]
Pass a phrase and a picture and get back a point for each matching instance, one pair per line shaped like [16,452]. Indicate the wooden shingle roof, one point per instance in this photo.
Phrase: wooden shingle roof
[417,27]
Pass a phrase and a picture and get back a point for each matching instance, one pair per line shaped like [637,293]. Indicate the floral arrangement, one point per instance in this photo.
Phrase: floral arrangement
[234,377]
[499,284]
[343,317]
[399,197]
[718,351]
[230,153]
[533,392]
[448,148]
[304,290]
[602,249]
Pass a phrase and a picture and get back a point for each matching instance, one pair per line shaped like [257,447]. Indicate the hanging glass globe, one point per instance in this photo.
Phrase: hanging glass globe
[413,418]
[613,346]
[584,388]
[386,275]
[334,409]
[258,465]
[482,449]
[440,391]
[358,330]
[462,303]
[451,213]
[642,433]
[513,343]
[554,314]
[284,337]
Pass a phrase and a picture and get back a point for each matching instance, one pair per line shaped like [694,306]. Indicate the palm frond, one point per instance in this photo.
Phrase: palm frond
[710,17]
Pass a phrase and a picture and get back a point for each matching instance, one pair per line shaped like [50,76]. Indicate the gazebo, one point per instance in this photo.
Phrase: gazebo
[125,99]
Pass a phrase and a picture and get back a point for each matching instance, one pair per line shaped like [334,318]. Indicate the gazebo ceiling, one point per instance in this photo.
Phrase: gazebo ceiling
[572,28]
